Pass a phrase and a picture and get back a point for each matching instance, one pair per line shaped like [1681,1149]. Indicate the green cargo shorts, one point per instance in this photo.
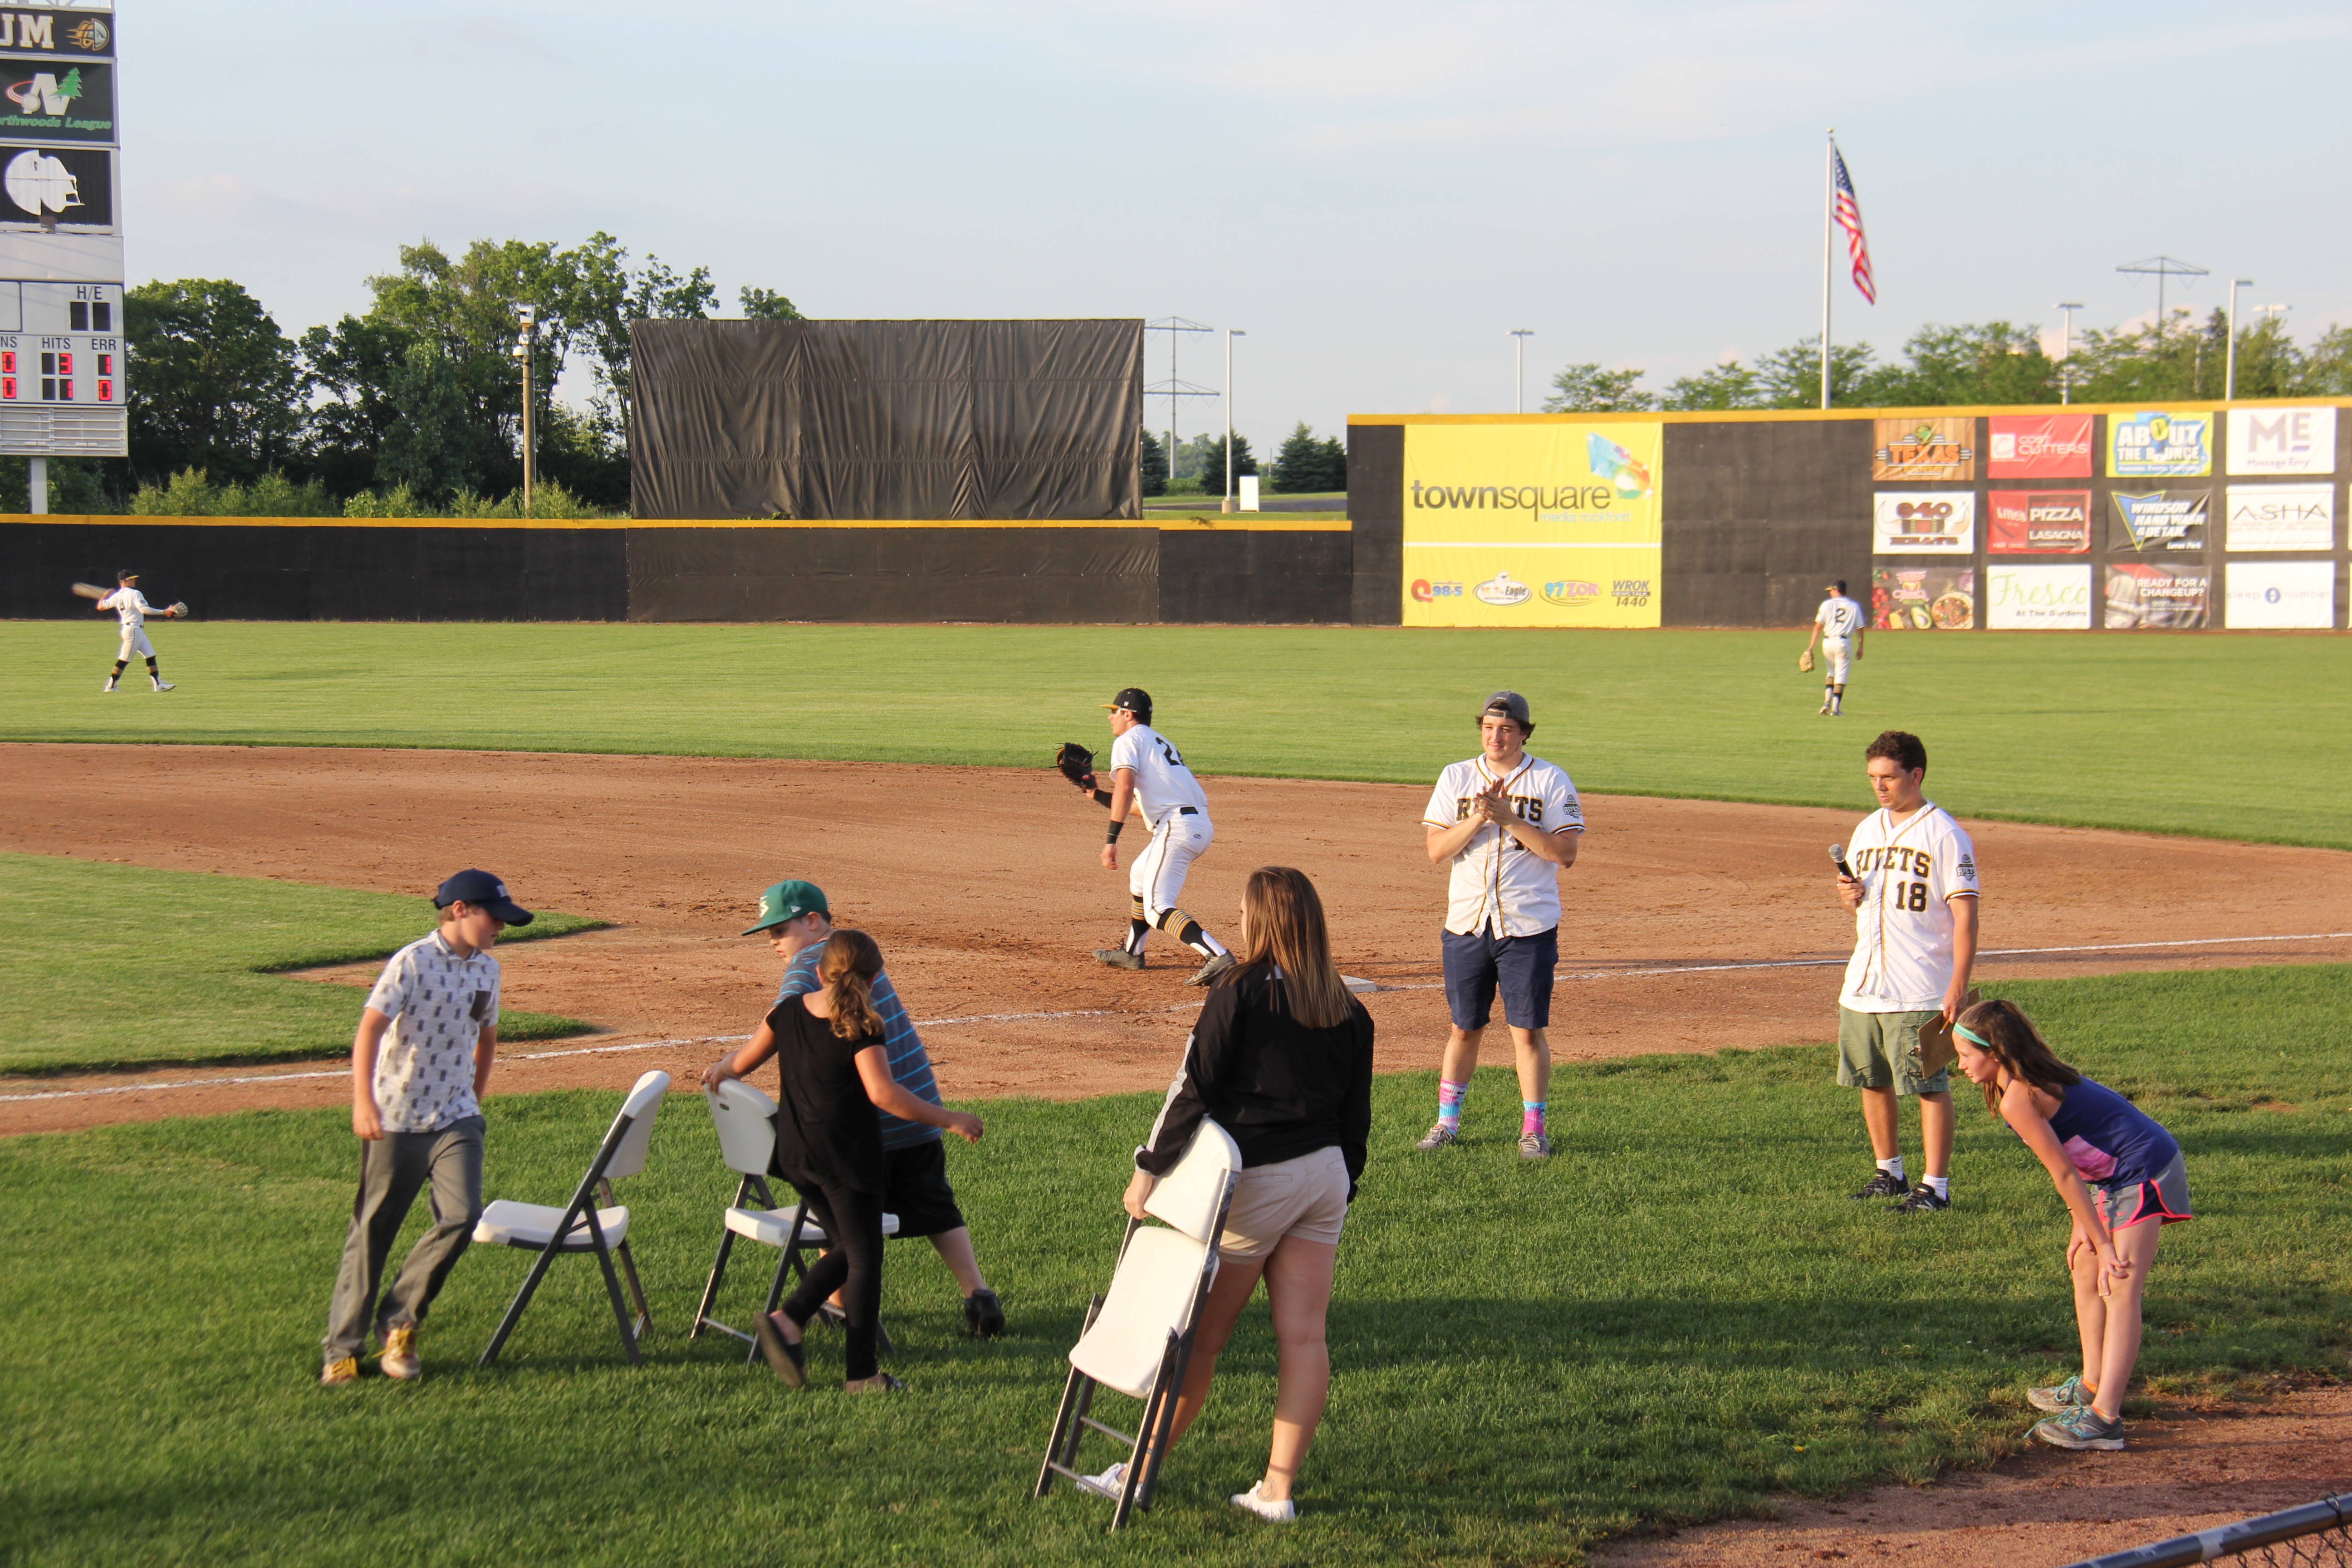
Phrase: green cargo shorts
[1881,1050]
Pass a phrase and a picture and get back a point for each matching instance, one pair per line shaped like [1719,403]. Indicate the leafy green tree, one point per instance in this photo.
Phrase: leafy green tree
[353,363]
[1589,388]
[214,383]
[1791,377]
[1957,366]
[1727,386]
[434,446]
[1155,465]
[767,305]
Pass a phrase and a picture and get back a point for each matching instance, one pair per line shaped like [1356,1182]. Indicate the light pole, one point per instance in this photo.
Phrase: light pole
[522,351]
[2230,366]
[2066,355]
[1231,334]
[1519,336]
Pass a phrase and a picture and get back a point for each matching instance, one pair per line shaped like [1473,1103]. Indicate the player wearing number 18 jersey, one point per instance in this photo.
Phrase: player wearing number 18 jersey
[1913,896]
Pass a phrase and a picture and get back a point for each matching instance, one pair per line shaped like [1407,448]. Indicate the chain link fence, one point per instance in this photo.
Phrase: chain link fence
[2316,1535]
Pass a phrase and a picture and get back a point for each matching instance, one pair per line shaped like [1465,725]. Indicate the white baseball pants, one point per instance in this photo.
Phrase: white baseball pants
[134,641]
[1158,874]
[1838,654]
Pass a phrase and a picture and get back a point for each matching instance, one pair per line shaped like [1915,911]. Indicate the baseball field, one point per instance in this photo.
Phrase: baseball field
[1679,1318]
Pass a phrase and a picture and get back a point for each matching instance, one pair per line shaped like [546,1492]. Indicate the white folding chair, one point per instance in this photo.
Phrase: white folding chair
[579,1226]
[747,1142]
[1138,1338]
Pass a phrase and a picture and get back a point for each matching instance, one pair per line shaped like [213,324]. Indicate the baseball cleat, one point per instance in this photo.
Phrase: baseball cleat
[1439,1136]
[165,686]
[110,687]
[1118,958]
[1884,1185]
[1207,973]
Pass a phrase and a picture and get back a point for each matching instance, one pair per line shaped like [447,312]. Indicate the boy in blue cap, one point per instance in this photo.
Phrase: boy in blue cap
[419,1065]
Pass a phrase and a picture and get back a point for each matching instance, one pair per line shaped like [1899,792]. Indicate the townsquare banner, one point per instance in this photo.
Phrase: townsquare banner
[1532,525]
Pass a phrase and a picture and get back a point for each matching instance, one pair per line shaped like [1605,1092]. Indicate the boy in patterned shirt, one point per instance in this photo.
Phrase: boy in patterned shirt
[419,1065]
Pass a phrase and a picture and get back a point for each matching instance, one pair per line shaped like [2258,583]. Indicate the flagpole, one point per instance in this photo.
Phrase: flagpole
[1828,204]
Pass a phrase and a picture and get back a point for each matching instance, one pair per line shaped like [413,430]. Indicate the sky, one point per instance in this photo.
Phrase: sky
[1375,194]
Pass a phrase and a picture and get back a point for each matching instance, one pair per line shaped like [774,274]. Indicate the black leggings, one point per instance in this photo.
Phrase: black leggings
[853,1222]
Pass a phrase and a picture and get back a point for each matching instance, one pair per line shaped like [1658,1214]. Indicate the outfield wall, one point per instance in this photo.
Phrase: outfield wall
[1250,568]
[2107,517]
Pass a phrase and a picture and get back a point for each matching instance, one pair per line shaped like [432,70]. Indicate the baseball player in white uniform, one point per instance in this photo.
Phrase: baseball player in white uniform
[1839,625]
[1148,774]
[1909,875]
[1508,824]
[133,610]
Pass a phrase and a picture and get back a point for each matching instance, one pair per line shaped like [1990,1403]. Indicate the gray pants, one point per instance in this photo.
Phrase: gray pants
[391,1171]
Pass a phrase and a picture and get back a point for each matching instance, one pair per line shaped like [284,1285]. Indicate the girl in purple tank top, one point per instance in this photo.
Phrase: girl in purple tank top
[2122,1177]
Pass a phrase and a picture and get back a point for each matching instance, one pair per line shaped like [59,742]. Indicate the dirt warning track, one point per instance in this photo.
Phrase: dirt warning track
[1690,925]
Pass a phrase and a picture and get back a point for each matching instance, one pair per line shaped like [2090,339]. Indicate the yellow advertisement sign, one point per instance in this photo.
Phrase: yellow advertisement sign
[1532,525]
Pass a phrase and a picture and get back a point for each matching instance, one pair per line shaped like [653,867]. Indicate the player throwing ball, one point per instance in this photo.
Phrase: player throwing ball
[1149,775]
[1838,625]
[132,609]
[1509,823]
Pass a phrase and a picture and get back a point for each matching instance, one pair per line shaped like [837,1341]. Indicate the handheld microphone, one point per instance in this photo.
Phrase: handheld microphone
[1837,859]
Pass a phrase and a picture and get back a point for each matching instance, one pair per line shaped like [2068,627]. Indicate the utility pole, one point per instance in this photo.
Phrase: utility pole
[1829,206]
[1231,334]
[1171,389]
[2229,374]
[1519,336]
[2163,266]
[2066,355]
[522,351]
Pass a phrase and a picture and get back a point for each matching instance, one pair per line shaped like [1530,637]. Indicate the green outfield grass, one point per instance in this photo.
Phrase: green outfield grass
[1677,1318]
[2241,737]
[119,966]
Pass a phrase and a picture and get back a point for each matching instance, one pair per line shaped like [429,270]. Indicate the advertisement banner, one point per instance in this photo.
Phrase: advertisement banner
[2039,447]
[1924,449]
[2037,598]
[1924,523]
[2281,517]
[2150,596]
[75,34]
[2038,522]
[1532,525]
[2279,595]
[1923,598]
[2161,441]
[66,185]
[2282,440]
[2159,522]
[55,100]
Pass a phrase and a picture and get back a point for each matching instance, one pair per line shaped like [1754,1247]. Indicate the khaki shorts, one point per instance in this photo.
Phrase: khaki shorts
[1305,1197]
[1881,1050]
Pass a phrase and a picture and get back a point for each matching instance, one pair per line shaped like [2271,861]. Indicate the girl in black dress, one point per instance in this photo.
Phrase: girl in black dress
[834,1074]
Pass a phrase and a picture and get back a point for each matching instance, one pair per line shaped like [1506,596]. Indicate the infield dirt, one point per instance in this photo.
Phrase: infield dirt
[983,888]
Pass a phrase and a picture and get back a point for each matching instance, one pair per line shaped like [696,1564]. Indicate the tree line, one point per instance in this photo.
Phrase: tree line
[410,407]
[1302,465]
[1990,363]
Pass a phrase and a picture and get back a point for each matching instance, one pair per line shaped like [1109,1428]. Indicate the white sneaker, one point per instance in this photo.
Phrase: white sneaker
[1281,1512]
[165,686]
[1107,1484]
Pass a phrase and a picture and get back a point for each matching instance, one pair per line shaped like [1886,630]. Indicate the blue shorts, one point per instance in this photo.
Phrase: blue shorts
[1521,966]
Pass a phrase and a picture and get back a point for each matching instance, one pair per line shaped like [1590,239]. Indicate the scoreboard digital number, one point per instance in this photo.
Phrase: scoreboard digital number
[66,349]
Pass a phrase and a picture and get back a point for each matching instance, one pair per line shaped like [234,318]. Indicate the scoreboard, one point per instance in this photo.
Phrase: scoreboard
[61,384]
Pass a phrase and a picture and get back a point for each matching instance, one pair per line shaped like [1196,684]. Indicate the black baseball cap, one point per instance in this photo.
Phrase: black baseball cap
[1134,700]
[1511,706]
[1838,586]
[483,891]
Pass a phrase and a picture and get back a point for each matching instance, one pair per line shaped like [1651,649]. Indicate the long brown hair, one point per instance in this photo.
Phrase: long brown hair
[848,967]
[2011,1039]
[1282,928]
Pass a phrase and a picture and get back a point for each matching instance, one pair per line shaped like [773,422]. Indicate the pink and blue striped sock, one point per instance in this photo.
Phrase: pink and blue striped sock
[1450,1096]
[1531,1118]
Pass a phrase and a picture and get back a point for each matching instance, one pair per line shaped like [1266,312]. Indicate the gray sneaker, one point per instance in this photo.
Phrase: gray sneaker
[2081,1427]
[2060,1397]
[1208,973]
[1440,1136]
[1118,958]
[1535,1146]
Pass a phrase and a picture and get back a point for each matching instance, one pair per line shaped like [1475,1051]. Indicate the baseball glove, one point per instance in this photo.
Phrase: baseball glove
[1078,765]
[179,609]
[1805,662]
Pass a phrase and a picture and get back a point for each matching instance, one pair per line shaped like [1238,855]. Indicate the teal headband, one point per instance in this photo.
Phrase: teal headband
[1971,1037]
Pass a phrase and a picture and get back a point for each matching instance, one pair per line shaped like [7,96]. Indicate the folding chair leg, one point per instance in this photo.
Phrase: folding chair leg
[620,1307]
[710,1290]
[514,1310]
[1161,1420]
[637,1291]
[775,1294]
[1065,1428]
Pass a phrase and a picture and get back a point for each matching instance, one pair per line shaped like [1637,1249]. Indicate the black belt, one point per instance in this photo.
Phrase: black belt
[1188,811]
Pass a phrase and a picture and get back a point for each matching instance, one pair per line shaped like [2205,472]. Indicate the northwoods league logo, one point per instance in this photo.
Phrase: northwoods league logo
[45,94]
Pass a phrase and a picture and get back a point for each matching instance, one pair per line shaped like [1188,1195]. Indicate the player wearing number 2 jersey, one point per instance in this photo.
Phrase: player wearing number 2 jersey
[1913,893]
[1838,623]
[1148,774]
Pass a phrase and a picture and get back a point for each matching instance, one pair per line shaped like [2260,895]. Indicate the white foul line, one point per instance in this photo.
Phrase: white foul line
[1179,1007]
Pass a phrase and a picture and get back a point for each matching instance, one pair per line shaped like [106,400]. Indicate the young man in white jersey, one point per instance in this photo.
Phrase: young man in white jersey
[1913,893]
[130,607]
[1147,775]
[1509,823]
[1839,626]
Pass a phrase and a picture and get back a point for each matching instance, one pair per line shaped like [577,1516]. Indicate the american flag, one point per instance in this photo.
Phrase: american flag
[1849,218]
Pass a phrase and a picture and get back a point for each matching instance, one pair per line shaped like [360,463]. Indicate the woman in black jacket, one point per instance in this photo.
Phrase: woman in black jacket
[1282,1057]
[834,1073]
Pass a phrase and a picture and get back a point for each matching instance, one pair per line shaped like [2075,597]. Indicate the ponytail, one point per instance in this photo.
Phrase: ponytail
[848,969]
